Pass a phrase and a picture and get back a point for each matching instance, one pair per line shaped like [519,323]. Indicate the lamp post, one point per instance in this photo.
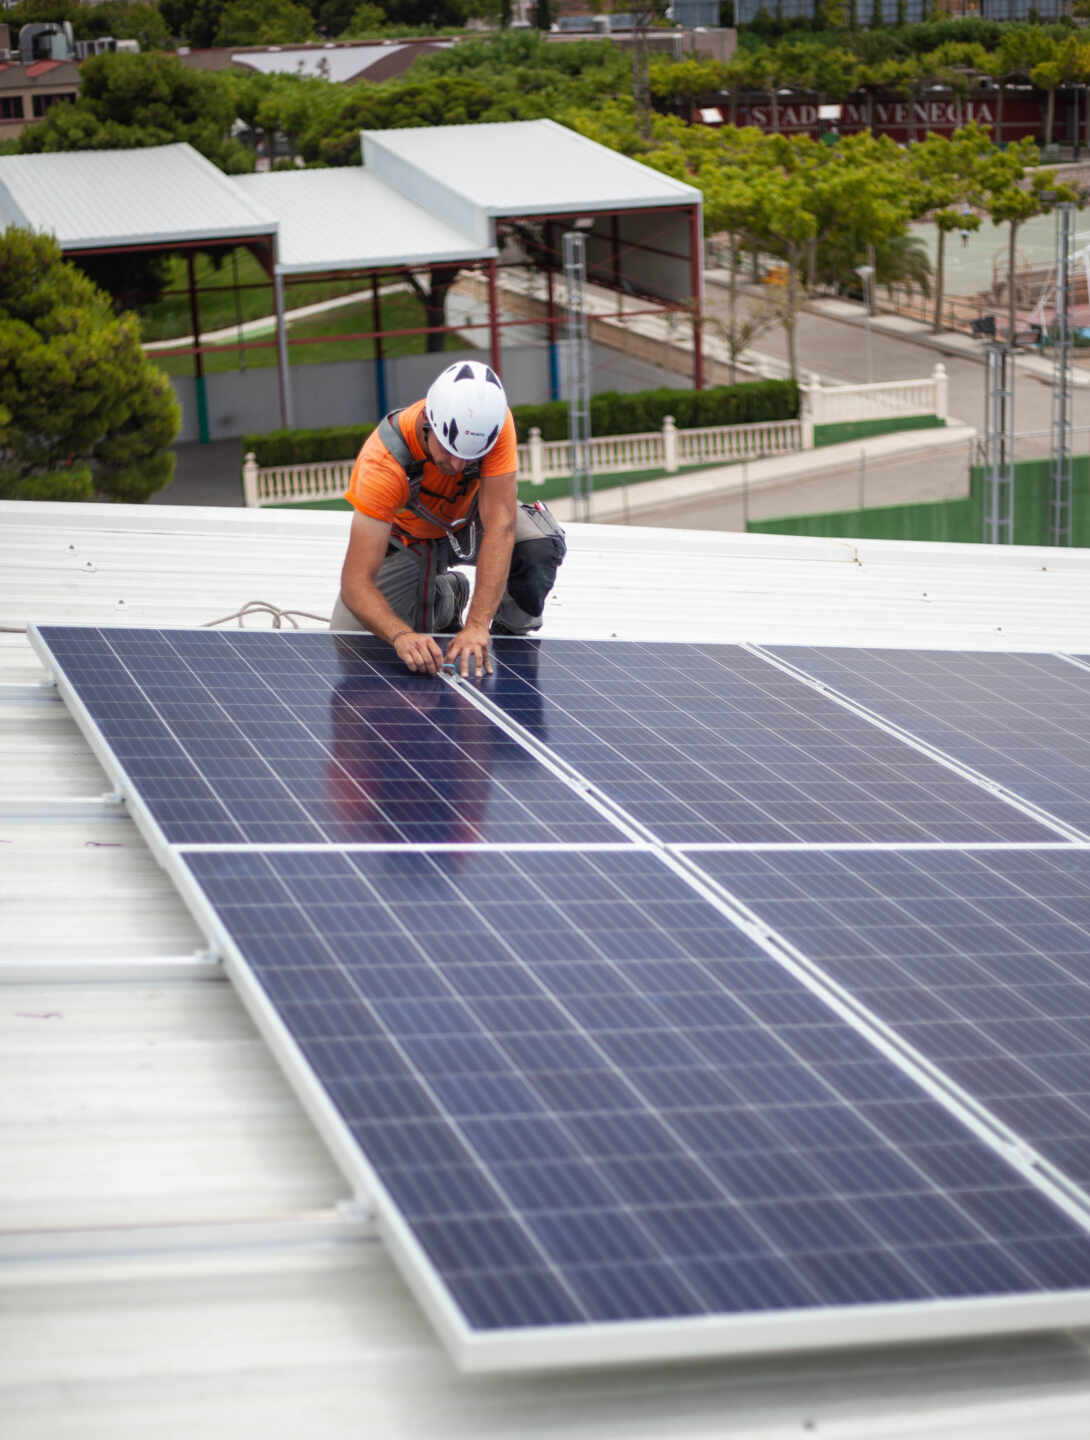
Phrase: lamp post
[866,274]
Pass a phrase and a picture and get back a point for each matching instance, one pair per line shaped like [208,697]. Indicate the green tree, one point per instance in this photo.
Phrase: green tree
[194,21]
[1013,201]
[949,179]
[83,414]
[123,20]
[264,22]
[1065,63]
[129,101]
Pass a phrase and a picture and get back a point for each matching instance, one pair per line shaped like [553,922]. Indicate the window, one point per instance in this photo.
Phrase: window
[11,107]
[43,102]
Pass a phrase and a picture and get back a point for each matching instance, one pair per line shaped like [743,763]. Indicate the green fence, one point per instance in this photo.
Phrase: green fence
[956,520]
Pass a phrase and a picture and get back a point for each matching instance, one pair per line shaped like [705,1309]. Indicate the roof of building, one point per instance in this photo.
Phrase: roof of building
[339,63]
[347,219]
[432,197]
[97,198]
[525,167]
[179,1253]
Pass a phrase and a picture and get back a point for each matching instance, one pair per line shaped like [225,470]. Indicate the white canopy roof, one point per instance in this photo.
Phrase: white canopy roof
[523,167]
[348,219]
[94,198]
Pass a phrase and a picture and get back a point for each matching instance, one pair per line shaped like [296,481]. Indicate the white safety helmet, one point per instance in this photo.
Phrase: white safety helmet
[466,407]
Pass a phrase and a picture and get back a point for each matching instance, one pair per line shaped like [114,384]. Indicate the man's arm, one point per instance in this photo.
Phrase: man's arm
[496,501]
[367,542]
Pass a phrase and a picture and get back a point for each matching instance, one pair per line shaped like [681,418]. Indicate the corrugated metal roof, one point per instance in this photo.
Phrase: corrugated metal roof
[349,219]
[89,198]
[178,1258]
[523,167]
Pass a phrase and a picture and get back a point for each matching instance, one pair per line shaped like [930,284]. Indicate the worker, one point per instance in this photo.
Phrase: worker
[434,487]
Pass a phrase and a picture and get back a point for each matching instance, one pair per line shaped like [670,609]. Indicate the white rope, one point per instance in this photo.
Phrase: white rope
[263,607]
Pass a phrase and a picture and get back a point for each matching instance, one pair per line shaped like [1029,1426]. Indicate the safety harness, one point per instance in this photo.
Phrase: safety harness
[463,533]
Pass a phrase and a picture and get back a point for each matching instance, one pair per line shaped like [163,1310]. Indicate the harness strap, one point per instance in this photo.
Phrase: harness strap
[389,432]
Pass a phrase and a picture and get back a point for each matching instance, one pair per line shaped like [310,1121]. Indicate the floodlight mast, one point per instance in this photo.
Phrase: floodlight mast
[999,445]
[1062,418]
[578,376]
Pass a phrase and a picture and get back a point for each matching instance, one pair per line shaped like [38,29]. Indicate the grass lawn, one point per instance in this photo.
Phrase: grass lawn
[400,311]
[169,317]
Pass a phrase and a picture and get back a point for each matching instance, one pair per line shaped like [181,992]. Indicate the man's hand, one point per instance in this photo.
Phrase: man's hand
[418,652]
[469,650]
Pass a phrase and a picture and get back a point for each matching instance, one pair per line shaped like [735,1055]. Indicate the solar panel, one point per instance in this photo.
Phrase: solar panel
[1018,719]
[711,743]
[600,1123]
[979,959]
[263,737]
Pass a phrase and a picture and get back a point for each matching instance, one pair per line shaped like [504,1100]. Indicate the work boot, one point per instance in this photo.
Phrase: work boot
[451,599]
[512,619]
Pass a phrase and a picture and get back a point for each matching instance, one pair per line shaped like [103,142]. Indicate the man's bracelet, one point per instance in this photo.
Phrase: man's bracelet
[408,630]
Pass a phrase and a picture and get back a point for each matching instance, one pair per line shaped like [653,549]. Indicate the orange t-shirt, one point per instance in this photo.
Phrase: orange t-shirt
[379,486]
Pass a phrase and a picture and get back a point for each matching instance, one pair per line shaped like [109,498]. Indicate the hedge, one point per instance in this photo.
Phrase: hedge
[611,413]
[297,447]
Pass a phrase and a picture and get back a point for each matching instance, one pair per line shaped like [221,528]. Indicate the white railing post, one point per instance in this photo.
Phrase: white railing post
[815,399]
[669,445]
[537,457]
[250,496]
[938,377]
[806,420]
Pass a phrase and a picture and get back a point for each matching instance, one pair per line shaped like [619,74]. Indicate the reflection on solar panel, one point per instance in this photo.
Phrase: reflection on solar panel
[979,959]
[1020,720]
[712,743]
[590,1101]
[267,738]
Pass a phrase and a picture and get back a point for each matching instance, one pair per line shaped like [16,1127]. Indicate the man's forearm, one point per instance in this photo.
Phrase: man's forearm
[374,612]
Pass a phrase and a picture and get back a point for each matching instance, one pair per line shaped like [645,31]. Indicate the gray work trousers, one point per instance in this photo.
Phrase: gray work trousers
[420,587]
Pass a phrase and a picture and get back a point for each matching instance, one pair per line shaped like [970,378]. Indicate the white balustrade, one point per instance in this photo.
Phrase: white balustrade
[667,449]
[882,400]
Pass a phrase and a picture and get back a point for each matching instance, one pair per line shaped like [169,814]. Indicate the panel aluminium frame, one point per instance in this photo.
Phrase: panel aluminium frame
[629,1342]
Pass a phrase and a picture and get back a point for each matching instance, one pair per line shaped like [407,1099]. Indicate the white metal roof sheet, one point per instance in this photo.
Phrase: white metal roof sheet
[89,198]
[524,167]
[350,219]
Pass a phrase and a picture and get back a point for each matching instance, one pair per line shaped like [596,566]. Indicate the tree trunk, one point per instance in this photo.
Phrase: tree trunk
[940,272]
[435,306]
[773,96]
[790,315]
[732,308]
[1011,306]
[999,114]
[1050,116]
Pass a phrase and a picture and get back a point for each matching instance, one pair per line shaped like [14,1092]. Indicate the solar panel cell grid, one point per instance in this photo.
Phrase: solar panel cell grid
[604,1141]
[711,743]
[308,738]
[979,959]
[1018,719]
